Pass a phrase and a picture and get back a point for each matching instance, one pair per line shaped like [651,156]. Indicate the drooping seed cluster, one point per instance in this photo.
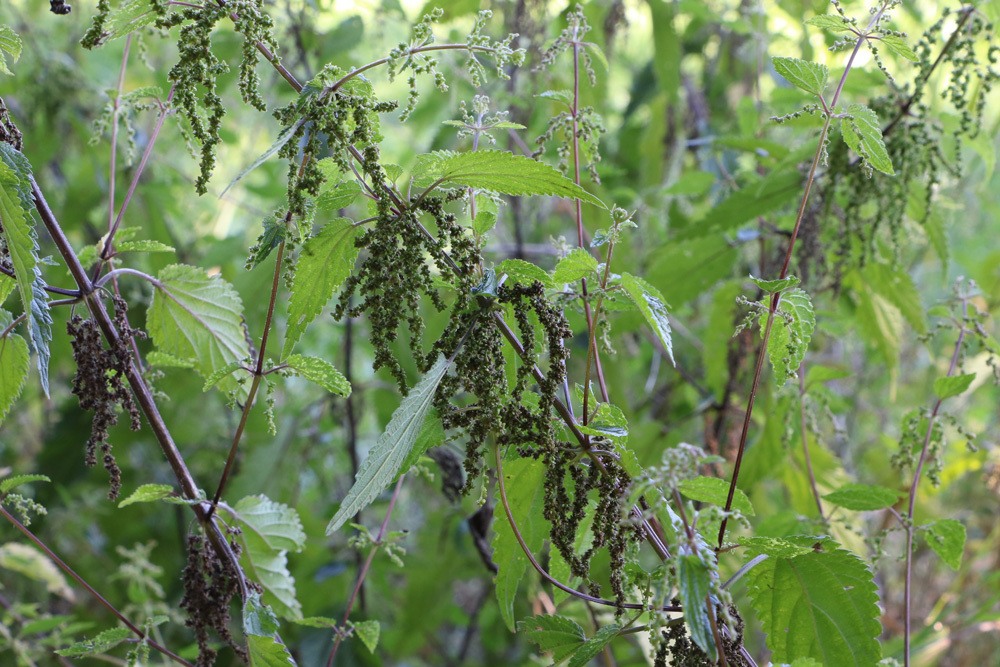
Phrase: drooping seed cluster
[209,587]
[862,209]
[100,385]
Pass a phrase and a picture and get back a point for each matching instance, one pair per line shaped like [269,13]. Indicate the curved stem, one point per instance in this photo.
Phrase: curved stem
[538,568]
[111,275]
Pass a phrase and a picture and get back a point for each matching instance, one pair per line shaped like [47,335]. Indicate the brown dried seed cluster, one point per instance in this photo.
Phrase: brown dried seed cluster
[100,387]
[209,587]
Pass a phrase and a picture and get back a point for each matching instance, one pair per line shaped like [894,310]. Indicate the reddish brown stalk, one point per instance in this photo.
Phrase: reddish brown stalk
[776,297]
[907,519]
[363,572]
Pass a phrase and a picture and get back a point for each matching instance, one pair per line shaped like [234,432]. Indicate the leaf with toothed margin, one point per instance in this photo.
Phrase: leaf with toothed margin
[392,447]
[16,222]
[498,171]
[653,307]
[199,317]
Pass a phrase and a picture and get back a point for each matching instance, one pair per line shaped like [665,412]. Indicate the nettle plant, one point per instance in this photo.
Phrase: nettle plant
[503,358]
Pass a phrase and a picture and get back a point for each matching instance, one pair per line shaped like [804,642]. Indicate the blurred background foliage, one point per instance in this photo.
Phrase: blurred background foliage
[685,100]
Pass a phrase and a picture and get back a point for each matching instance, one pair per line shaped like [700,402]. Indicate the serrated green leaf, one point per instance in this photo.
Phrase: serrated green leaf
[148,493]
[947,538]
[317,622]
[143,246]
[563,96]
[10,43]
[809,76]
[484,222]
[831,22]
[821,604]
[524,480]
[199,317]
[431,435]
[653,307]
[269,531]
[863,497]
[896,45]
[10,483]
[772,286]
[258,618]
[594,645]
[694,584]
[776,547]
[13,368]
[793,327]
[274,234]
[16,206]
[862,133]
[267,652]
[953,385]
[553,634]
[340,196]
[164,360]
[224,372]
[368,633]
[325,262]
[278,144]
[715,490]
[321,372]
[521,272]
[102,642]
[498,171]
[391,448]
[576,265]
[128,18]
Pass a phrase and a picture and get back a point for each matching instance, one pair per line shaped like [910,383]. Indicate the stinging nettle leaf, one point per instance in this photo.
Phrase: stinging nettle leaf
[809,76]
[576,265]
[199,317]
[390,450]
[793,327]
[863,497]
[100,643]
[368,632]
[694,585]
[715,490]
[947,538]
[10,483]
[896,45]
[13,368]
[260,626]
[148,493]
[862,133]
[269,531]
[325,262]
[524,273]
[831,22]
[128,18]
[653,307]
[321,372]
[594,645]
[822,604]
[772,286]
[498,171]
[553,634]
[953,385]
[10,43]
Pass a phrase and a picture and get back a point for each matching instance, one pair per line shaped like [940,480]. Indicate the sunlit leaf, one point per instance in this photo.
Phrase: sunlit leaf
[499,171]
[810,77]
